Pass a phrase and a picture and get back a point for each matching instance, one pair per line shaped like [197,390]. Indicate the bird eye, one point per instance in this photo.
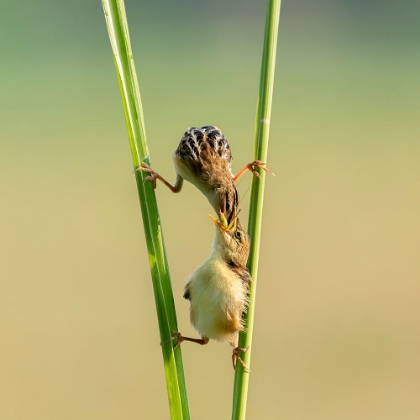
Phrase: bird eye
[238,234]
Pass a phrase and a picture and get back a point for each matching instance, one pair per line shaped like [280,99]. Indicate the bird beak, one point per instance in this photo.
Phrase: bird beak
[223,224]
[216,222]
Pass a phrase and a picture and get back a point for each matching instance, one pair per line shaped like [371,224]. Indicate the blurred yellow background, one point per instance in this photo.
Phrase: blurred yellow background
[337,311]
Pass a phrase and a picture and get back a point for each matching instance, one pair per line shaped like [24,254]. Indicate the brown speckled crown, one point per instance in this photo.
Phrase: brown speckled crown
[206,155]
[197,142]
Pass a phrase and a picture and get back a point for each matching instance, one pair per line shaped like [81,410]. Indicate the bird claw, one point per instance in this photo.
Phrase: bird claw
[176,335]
[144,167]
[258,164]
[235,356]
[152,178]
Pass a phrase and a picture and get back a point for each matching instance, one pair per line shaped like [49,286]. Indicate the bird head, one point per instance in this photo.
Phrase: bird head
[232,241]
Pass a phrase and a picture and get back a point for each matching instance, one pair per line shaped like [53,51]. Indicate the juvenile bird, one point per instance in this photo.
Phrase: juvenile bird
[203,157]
[218,289]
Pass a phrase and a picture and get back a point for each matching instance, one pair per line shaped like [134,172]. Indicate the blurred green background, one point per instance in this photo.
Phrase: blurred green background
[337,312]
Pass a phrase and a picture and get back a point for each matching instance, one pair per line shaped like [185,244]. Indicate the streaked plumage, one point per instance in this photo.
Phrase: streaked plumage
[218,288]
[203,158]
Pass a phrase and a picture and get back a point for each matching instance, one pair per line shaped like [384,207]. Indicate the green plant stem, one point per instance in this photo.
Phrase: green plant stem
[119,36]
[262,127]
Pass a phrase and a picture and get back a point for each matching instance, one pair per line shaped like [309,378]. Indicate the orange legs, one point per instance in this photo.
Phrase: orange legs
[144,167]
[250,167]
[180,338]
[235,356]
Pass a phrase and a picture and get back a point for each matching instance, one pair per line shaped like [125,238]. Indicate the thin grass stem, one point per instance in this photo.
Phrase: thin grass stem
[262,128]
[117,25]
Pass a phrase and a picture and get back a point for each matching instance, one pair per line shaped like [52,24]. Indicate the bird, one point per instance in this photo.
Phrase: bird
[203,158]
[218,289]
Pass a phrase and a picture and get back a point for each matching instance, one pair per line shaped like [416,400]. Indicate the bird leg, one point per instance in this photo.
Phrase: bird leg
[235,356]
[144,167]
[250,167]
[176,335]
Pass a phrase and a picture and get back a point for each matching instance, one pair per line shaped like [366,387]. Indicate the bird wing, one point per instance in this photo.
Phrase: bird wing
[245,276]
[242,273]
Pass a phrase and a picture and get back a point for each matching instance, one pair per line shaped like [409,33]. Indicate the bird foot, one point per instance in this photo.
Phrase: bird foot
[235,356]
[176,335]
[250,167]
[144,167]
[258,164]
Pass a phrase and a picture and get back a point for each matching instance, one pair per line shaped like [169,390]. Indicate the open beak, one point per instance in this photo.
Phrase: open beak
[223,224]
[216,222]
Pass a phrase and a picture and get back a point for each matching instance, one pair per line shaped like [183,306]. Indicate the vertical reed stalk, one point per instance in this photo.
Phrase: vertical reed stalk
[117,25]
[262,128]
